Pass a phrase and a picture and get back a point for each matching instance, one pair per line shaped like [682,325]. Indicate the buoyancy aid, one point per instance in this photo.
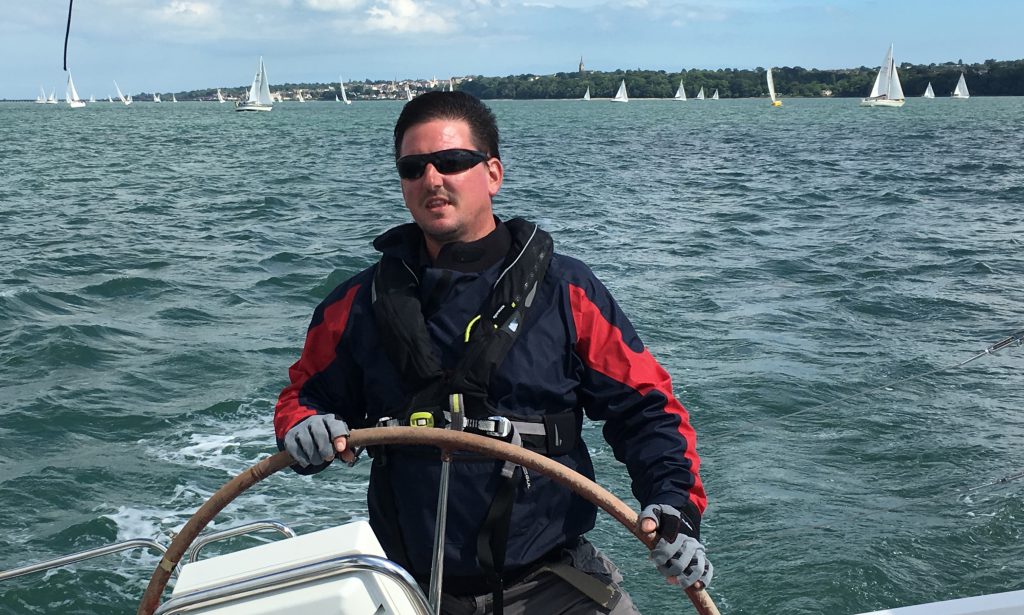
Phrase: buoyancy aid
[488,337]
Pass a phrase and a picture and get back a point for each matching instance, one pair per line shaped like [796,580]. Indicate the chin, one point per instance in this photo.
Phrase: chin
[445,230]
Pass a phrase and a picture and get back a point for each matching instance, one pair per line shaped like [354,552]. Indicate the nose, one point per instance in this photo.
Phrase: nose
[432,176]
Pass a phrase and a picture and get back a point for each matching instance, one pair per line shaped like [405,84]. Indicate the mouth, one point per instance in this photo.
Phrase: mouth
[435,203]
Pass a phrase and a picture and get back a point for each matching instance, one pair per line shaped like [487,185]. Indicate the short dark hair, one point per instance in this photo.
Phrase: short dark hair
[450,106]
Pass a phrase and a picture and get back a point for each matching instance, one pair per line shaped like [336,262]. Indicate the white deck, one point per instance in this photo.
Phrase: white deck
[1008,603]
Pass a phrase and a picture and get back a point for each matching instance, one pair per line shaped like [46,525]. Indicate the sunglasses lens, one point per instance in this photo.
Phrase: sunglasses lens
[411,167]
[447,162]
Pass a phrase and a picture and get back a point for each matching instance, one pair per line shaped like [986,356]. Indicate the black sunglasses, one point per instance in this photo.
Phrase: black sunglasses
[446,161]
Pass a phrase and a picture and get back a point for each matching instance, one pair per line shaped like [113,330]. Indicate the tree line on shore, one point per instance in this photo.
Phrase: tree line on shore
[989,78]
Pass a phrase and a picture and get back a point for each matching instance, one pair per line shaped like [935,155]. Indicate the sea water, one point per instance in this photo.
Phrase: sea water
[810,275]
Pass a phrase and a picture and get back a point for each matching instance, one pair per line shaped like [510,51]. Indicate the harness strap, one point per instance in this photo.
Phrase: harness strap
[551,434]
[492,541]
[591,587]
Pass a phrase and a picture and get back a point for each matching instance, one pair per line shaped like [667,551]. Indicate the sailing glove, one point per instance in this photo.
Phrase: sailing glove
[311,441]
[677,555]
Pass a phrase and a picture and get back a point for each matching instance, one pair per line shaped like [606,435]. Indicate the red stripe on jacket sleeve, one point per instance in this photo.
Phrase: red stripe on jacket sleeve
[601,346]
[317,354]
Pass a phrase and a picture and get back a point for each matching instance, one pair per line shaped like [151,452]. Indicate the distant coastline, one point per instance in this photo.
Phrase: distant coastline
[988,78]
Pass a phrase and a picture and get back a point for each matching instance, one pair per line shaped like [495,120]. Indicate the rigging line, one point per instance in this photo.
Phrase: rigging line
[1016,338]
[67,34]
[1002,481]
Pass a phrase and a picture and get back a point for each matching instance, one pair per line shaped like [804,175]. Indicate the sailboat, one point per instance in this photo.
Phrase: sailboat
[700,94]
[771,88]
[961,89]
[344,97]
[408,93]
[71,95]
[109,99]
[451,85]
[156,98]
[298,96]
[887,91]
[621,95]
[681,92]
[220,97]
[126,101]
[715,95]
[92,99]
[928,91]
[174,98]
[259,93]
[41,99]
[586,95]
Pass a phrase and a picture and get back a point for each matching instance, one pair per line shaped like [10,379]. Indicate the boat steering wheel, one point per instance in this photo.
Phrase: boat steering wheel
[444,439]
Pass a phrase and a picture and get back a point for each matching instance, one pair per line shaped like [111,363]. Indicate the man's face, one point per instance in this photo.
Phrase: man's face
[454,207]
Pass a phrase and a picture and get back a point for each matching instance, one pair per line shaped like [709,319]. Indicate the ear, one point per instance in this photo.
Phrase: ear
[495,173]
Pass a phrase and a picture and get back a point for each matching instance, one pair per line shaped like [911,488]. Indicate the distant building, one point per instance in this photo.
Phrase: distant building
[582,70]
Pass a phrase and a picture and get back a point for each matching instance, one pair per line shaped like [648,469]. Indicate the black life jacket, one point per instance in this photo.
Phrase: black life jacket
[488,336]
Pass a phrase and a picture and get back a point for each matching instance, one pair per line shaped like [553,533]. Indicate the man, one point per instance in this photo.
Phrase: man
[466,315]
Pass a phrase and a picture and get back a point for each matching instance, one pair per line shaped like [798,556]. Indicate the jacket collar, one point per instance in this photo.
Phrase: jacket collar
[406,242]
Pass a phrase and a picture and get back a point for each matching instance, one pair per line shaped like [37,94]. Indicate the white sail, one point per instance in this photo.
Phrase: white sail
[771,83]
[886,90]
[41,99]
[71,94]
[156,98]
[264,95]
[126,101]
[715,95]
[928,91]
[586,95]
[344,97]
[961,88]
[109,99]
[680,92]
[700,94]
[451,85]
[299,97]
[220,97]
[408,93]
[92,99]
[621,95]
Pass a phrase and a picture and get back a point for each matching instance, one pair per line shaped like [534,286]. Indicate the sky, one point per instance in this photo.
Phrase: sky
[181,45]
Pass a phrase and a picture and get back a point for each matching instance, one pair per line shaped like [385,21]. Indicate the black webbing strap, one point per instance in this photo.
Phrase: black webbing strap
[492,541]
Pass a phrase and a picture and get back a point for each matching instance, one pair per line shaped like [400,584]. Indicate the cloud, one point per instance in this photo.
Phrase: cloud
[406,16]
[334,6]
[188,13]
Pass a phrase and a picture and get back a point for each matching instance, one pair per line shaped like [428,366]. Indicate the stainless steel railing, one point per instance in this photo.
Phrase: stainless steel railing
[74,558]
[137,543]
[249,528]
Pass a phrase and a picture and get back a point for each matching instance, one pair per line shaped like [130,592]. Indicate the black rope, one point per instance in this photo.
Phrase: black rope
[67,34]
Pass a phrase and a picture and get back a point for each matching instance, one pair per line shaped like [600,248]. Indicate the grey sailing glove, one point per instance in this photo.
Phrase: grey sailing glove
[311,441]
[676,555]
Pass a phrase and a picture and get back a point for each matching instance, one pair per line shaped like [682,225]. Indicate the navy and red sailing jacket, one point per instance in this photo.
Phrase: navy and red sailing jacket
[577,352]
